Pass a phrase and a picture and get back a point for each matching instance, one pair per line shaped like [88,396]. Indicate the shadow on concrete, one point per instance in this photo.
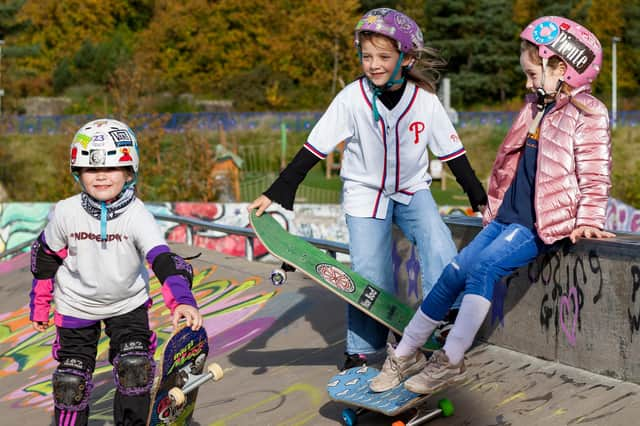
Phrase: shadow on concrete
[322,311]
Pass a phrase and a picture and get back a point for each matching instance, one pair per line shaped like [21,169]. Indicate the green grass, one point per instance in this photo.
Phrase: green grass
[454,195]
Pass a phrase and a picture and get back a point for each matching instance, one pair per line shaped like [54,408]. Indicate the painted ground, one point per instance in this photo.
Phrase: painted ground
[279,346]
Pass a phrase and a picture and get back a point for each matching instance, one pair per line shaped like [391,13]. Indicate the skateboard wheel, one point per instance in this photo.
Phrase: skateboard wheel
[349,417]
[398,423]
[278,277]
[216,371]
[177,396]
[446,406]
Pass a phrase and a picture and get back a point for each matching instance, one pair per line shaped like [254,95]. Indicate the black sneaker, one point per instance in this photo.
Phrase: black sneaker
[353,360]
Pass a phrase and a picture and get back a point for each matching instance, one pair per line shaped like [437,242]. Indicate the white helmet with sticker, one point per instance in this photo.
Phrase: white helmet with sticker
[104,143]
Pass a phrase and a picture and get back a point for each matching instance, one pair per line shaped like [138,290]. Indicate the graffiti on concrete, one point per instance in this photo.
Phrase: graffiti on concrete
[634,306]
[564,279]
[224,304]
[622,217]
[306,411]
[21,222]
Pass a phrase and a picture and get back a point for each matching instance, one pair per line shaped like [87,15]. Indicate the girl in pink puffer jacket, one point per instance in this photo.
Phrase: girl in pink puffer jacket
[550,180]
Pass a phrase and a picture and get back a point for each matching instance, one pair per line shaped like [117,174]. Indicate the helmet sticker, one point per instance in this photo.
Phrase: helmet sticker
[82,140]
[98,140]
[125,155]
[403,23]
[74,154]
[572,50]
[97,157]
[545,32]
[121,138]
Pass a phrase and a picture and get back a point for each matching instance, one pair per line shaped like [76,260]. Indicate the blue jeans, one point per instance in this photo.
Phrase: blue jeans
[497,251]
[370,245]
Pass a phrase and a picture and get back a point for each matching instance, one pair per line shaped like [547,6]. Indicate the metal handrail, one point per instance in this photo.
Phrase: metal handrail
[193,225]
[17,249]
[331,247]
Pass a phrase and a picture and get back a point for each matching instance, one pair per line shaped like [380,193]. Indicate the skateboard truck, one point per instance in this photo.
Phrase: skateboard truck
[279,276]
[193,381]
[445,409]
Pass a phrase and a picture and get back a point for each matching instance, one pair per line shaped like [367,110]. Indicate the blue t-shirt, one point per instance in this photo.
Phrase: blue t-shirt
[517,206]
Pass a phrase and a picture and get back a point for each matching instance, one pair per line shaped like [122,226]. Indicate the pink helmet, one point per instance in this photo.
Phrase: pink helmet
[393,24]
[573,43]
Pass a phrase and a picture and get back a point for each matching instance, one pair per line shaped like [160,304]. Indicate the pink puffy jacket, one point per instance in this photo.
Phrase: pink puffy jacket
[574,163]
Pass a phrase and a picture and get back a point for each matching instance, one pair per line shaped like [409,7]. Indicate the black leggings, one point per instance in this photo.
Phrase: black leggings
[82,344]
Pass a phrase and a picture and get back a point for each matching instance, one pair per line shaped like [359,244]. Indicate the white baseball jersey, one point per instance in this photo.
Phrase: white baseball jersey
[95,283]
[387,159]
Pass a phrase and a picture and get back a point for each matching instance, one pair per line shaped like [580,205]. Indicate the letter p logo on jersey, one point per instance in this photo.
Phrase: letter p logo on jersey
[416,127]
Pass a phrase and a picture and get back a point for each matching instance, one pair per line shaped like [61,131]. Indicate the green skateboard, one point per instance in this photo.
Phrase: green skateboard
[332,275]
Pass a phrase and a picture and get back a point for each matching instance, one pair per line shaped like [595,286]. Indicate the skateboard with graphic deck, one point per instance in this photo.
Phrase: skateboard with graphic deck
[352,387]
[335,276]
[181,372]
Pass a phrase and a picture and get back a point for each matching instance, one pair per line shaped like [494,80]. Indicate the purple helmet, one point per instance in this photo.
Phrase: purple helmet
[393,24]
[573,43]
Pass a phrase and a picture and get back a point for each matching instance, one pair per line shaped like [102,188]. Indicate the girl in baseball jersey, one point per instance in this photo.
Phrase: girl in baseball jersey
[550,181]
[89,261]
[390,118]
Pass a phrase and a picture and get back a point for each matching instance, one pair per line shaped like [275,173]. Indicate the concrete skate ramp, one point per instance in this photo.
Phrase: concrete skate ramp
[279,346]
[577,304]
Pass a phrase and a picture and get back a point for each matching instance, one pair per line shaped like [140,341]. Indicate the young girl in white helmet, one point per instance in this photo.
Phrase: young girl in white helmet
[389,119]
[550,181]
[89,261]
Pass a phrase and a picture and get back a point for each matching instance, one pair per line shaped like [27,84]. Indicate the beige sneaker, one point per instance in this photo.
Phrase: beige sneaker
[395,369]
[437,374]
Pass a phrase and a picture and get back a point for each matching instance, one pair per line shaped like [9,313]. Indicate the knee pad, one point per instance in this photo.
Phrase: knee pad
[72,385]
[134,369]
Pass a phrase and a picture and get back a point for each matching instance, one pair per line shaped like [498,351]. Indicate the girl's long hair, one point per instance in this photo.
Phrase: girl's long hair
[425,72]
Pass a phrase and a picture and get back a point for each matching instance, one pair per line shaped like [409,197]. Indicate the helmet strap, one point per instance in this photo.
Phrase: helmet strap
[377,90]
[543,95]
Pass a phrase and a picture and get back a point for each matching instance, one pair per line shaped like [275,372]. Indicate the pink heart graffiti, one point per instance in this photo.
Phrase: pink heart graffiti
[565,307]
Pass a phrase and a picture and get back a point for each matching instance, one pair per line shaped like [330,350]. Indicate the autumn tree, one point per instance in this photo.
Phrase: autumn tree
[479,41]
[61,28]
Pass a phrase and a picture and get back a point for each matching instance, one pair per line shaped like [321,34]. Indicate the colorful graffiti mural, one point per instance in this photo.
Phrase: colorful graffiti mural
[229,310]
[622,217]
[21,222]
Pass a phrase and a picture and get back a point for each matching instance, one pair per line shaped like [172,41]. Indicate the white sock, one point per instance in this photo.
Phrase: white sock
[416,333]
[473,311]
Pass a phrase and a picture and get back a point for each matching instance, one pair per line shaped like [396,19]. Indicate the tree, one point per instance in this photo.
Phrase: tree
[197,44]
[258,53]
[605,30]
[60,28]
[629,53]
[10,27]
[479,40]
[314,47]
